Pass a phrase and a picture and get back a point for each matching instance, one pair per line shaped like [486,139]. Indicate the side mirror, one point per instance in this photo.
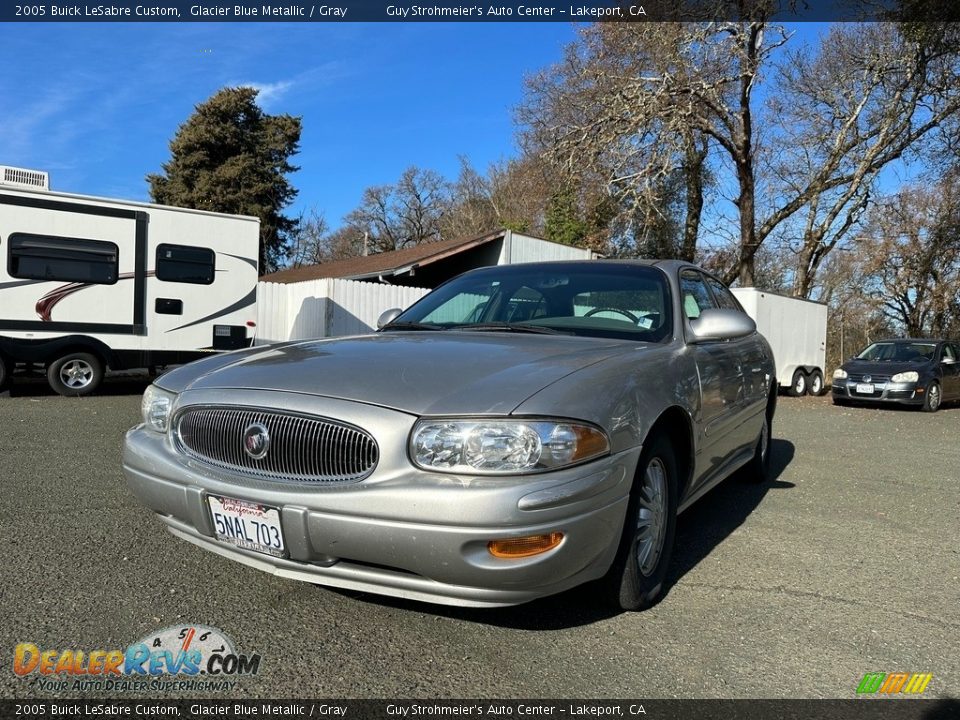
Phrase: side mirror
[721,324]
[948,361]
[387,317]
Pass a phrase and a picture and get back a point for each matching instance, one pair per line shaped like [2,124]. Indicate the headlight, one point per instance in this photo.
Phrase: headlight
[155,408]
[501,447]
[839,374]
[908,376]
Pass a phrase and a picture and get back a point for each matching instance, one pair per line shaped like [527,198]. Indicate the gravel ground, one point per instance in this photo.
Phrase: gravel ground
[846,563]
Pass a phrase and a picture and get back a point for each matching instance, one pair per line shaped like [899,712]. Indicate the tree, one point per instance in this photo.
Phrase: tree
[404,214]
[309,242]
[633,105]
[910,258]
[231,157]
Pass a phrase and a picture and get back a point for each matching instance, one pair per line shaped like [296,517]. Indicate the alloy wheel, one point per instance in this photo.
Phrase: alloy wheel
[651,517]
[76,374]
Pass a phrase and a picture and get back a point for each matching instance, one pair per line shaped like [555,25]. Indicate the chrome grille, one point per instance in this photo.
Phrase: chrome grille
[302,448]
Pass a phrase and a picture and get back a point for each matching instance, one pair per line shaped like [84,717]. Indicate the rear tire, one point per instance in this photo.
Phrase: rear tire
[815,383]
[75,374]
[934,398]
[798,385]
[636,579]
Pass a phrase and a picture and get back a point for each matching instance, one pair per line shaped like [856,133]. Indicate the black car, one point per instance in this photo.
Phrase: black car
[914,371]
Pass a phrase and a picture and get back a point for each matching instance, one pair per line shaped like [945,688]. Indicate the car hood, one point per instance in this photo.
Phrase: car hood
[889,367]
[449,372]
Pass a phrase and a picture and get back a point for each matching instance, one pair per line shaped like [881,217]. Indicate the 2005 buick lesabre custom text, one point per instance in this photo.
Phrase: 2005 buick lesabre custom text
[520,430]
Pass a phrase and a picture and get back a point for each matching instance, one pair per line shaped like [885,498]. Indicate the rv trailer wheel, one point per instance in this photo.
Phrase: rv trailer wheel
[815,386]
[75,373]
[798,385]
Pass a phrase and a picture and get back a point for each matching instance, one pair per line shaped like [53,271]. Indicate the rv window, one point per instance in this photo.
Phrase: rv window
[42,257]
[179,263]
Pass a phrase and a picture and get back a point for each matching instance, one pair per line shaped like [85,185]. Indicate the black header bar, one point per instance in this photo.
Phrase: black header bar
[490,11]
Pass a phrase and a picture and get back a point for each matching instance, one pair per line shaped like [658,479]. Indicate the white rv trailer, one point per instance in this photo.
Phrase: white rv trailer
[92,283]
[797,332]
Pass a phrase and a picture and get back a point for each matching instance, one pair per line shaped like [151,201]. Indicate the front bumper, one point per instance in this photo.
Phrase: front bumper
[906,393]
[402,531]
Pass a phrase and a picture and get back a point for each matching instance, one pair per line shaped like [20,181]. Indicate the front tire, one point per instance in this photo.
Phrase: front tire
[75,374]
[934,398]
[815,385]
[798,385]
[638,574]
[758,469]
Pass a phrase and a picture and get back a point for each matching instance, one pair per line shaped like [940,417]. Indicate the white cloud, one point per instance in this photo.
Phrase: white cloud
[269,93]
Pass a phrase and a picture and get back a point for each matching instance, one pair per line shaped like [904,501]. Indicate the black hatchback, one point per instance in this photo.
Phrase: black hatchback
[923,372]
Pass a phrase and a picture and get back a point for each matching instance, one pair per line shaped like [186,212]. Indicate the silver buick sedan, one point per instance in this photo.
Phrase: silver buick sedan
[520,430]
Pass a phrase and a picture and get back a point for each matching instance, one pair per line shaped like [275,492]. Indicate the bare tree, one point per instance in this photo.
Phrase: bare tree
[866,97]
[308,244]
[404,214]
[910,258]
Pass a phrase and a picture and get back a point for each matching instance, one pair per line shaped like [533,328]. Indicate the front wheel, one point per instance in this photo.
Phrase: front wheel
[758,469]
[931,403]
[636,579]
[74,374]
[815,385]
[798,385]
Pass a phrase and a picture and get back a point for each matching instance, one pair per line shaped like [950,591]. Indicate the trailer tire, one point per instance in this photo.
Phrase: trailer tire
[75,374]
[799,384]
[815,383]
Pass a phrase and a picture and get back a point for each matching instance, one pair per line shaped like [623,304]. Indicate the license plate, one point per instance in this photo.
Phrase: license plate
[247,525]
[865,388]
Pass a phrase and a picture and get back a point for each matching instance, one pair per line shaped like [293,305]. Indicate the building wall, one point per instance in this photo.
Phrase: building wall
[519,248]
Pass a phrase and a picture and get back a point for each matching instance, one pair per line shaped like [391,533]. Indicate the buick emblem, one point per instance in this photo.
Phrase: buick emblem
[256,441]
[867,378]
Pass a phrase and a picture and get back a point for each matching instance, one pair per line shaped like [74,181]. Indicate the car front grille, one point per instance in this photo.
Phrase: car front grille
[301,448]
[875,379]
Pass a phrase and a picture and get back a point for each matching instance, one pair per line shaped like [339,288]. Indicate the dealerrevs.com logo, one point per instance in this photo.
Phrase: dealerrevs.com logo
[178,658]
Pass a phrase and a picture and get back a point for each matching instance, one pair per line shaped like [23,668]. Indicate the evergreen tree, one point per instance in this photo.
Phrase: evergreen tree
[231,157]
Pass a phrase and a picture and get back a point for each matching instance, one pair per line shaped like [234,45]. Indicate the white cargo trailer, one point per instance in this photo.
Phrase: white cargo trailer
[797,331]
[92,283]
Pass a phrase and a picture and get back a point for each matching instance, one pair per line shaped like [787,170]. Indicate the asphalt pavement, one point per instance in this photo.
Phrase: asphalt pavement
[846,563]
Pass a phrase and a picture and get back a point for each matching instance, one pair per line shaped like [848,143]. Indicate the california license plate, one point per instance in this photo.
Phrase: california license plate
[865,388]
[247,525]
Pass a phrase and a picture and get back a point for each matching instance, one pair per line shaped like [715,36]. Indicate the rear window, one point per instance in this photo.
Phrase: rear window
[185,264]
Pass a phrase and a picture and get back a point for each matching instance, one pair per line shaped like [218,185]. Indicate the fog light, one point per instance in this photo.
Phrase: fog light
[524,546]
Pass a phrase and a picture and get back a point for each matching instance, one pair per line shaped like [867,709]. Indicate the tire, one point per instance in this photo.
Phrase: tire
[758,469]
[815,383]
[798,385]
[636,579]
[934,398]
[5,370]
[75,374]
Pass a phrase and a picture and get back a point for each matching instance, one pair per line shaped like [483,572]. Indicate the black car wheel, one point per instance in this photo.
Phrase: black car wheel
[5,368]
[798,385]
[636,578]
[815,384]
[934,397]
[758,469]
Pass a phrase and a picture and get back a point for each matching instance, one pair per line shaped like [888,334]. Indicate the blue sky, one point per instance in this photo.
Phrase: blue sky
[96,105]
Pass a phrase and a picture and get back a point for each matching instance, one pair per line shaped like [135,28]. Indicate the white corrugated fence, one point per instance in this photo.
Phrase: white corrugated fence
[329,307]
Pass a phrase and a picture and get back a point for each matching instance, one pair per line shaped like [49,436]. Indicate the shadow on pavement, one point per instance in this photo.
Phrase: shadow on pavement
[699,530]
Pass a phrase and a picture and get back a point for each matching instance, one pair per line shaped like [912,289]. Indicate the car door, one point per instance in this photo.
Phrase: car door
[721,382]
[754,358]
[950,366]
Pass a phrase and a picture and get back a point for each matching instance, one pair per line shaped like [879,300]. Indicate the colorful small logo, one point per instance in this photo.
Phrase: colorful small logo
[892,683]
[180,657]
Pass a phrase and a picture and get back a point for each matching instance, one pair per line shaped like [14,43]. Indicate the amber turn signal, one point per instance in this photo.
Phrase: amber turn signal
[522,547]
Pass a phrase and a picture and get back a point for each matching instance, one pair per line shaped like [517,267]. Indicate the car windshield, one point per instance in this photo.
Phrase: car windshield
[898,351]
[595,299]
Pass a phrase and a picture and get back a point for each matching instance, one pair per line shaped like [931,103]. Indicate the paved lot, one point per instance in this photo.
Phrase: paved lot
[848,562]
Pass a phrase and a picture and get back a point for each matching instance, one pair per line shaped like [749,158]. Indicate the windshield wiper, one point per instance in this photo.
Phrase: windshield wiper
[508,327]
[411,326]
